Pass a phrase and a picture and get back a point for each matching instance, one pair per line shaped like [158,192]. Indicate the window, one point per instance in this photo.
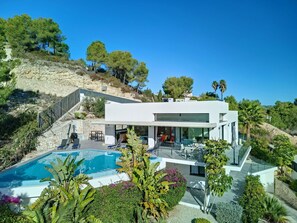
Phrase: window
[197,171]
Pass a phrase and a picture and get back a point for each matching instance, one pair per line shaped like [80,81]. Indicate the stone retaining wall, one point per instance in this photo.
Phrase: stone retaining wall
[283,191]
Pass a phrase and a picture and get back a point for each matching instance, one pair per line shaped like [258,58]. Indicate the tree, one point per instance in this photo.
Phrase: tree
[284,116]
[223,88]
[19,34]
[47,33]
[233,105]
[7,81]
[121,65]
[283,152]
[97,54]
[208,96]
[159,96]
[295,101]
[176,87]
[251,115]
[140,75]
[215,86]
[252,200]
[2,30]
[216,180]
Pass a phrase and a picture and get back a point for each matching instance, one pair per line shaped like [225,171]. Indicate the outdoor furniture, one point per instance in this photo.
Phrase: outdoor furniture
[96,135]
[64,144]
[76,144]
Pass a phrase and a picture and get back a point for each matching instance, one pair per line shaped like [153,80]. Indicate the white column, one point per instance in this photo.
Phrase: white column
[151,133]
[110,135]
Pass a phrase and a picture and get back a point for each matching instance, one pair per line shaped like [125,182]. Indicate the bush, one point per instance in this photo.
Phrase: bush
[200,220]
[8,216]
[228,213]
[252,199]
[80,115]
[126,89]
[99,107]
[293,185]
[176,190]
[116,202]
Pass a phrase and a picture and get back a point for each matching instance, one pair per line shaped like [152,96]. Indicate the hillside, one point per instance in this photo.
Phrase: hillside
[59,78]
[273,131]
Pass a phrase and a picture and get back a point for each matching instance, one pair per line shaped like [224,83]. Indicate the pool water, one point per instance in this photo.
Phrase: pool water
[95,162]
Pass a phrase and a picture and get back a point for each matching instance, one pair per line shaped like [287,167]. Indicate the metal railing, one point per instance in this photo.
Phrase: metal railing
[53,113]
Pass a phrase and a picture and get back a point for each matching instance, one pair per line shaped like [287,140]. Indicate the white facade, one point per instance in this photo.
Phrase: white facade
[212,115]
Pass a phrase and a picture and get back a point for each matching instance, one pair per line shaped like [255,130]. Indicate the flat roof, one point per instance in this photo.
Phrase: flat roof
[159,123]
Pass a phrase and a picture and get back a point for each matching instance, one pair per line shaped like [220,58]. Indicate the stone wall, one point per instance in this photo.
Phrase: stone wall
[283,191]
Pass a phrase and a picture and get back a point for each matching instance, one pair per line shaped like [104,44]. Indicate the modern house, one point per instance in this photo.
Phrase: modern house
[172,122]
[176,131]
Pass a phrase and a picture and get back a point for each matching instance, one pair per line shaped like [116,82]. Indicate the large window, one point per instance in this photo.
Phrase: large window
[167,134]
[186,117]
[194,134]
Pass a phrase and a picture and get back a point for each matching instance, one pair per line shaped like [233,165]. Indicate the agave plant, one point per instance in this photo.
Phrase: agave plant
[274,211]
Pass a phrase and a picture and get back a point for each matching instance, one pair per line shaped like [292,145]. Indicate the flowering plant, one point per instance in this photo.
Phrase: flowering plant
[5,199]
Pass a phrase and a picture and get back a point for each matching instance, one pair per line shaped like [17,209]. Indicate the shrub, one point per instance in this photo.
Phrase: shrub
[114,82]
[252,199]
[8,216]
[99,107]
[293,185]
[80,115]
[228,213]
[126,89]
[274,211]
[176,190]
[116,202]
[200,220]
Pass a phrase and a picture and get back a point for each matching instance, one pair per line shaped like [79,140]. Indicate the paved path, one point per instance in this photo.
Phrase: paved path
[185,214]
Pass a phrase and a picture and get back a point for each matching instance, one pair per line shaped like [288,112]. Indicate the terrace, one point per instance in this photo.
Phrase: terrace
[236,155]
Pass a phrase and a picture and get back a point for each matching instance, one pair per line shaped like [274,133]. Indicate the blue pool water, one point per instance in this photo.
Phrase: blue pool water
[97,163]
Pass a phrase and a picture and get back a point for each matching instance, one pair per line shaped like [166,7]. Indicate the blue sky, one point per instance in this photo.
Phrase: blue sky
[251,44]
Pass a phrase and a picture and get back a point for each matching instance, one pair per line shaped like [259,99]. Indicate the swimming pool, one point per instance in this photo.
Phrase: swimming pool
[97,163]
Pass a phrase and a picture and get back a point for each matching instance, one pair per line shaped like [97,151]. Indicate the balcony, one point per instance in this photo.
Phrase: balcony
[196,152]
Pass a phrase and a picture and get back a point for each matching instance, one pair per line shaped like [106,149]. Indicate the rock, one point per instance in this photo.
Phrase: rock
[59,78]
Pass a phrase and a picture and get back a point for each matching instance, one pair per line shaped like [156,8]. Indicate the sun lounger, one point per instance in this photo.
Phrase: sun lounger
[76,144]
[64,144]
[116,146]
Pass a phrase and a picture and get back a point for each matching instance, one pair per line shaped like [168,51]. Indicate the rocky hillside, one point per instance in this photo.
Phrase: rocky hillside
[59,79]
[273,131]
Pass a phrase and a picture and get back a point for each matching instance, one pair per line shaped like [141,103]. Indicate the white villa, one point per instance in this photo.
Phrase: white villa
[176,131]
[179,121]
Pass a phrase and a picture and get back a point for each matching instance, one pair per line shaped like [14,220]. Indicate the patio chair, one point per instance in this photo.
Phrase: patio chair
[64,144]
[116,146]
[76,144]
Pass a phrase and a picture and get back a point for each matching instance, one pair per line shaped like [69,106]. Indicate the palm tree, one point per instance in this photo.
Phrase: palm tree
[215,86]
[274,211]
[223,87]
[251,115]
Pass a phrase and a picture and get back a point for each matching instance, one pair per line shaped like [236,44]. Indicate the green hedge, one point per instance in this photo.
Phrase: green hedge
[116,202]
[8,216]
[228,213]
[177,190]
